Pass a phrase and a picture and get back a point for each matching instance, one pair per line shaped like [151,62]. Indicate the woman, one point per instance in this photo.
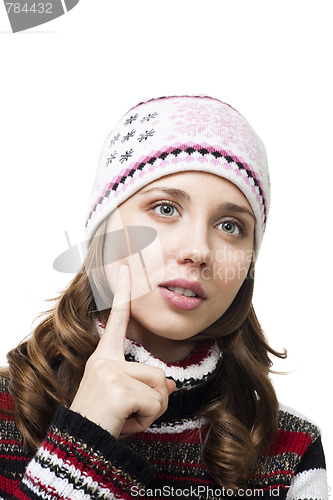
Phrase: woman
[150,377]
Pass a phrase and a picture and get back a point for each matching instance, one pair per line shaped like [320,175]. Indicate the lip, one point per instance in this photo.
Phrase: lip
[183,283]
[181,301]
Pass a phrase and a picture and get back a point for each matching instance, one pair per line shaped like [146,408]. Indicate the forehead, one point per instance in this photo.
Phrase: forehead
[192,184]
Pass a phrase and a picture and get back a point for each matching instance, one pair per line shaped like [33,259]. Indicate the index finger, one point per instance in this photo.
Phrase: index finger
[111,344]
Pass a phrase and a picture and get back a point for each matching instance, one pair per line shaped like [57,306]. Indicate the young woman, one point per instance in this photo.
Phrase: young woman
[150,377]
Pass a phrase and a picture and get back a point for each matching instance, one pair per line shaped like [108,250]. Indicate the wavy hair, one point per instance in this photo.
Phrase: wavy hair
[241,405]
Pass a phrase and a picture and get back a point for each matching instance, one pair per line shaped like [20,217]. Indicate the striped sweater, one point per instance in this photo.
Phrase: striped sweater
[80,460]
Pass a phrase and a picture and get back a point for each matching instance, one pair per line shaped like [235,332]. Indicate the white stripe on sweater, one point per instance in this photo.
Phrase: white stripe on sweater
[56,485]
[194,423]
[309,484]
[195,371]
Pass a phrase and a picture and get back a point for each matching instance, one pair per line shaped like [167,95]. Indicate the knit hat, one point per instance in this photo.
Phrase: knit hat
[163,136]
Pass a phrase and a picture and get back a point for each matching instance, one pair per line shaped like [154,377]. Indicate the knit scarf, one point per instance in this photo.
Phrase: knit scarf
[194,370]
[192,376]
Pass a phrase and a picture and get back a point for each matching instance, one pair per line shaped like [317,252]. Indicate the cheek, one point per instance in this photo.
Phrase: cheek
[229,275]
[146,268]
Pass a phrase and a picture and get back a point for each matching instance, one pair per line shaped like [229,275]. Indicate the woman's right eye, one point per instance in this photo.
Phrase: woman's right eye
[165,210]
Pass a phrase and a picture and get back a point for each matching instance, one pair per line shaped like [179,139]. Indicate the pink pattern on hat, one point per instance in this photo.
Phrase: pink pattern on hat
[167,135]
[202,118]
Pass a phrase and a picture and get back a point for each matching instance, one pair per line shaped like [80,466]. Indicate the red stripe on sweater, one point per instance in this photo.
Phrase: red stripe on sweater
[50,490]
[271,474]
[288,441]
[12,487]
[9,485]
[76,461]
[75,457]
[6,404]
[119,492]
[14,457]
[60,440]
[195,357]
[200,353]
[11,442]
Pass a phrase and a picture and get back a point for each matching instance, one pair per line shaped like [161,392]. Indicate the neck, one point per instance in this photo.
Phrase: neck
[169,350]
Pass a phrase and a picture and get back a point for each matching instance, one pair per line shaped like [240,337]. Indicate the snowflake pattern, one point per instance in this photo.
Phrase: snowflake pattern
[149,117]
[111,158]
[196,120]
[126,156]
[128,136]
[114,140]
[144,137]
[131,119]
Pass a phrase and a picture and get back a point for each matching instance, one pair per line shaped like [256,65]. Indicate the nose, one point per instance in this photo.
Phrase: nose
[193,247]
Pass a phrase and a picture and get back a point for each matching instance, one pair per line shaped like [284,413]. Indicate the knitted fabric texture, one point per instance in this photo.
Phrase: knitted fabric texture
[175,134]
[187,373]
[80,460]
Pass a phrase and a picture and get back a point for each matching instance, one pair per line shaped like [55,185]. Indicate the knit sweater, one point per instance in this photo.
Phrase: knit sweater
[80,460]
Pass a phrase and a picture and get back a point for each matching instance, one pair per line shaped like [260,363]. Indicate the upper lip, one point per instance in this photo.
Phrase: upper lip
[183,283]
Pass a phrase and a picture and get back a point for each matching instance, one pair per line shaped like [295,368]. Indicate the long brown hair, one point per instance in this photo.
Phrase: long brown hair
[242,408]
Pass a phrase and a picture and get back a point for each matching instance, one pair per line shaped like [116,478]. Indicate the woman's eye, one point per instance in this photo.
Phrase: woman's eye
[165,210]
[230,227]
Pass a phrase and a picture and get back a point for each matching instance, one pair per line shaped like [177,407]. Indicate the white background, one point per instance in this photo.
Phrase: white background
[65,84]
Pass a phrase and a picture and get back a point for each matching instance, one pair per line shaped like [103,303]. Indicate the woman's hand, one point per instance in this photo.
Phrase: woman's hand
[122,397]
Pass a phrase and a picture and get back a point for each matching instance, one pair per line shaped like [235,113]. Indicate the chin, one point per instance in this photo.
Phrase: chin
[168,328]
[168,322]
[175,335]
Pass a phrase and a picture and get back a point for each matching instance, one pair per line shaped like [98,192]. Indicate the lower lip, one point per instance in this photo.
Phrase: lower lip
[180,301]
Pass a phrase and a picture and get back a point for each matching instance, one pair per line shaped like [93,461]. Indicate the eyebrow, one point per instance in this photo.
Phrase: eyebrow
[232,207]
[179,193]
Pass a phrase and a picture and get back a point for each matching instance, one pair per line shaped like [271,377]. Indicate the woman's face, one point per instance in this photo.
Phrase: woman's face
[205,229]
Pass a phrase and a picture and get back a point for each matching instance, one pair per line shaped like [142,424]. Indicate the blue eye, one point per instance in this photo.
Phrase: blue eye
[165,210]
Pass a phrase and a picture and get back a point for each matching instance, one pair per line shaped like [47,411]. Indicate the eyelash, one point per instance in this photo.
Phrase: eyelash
[240,226]
[242,229]
[161,203]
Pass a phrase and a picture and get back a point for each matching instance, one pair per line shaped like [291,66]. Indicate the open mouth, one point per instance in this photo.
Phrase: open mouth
[181,298]
[187,292]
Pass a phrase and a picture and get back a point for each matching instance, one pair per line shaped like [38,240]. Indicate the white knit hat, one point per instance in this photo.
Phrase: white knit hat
[167,135]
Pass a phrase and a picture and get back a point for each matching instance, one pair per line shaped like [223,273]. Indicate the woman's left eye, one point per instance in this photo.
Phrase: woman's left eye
[165,210]
[230,227]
